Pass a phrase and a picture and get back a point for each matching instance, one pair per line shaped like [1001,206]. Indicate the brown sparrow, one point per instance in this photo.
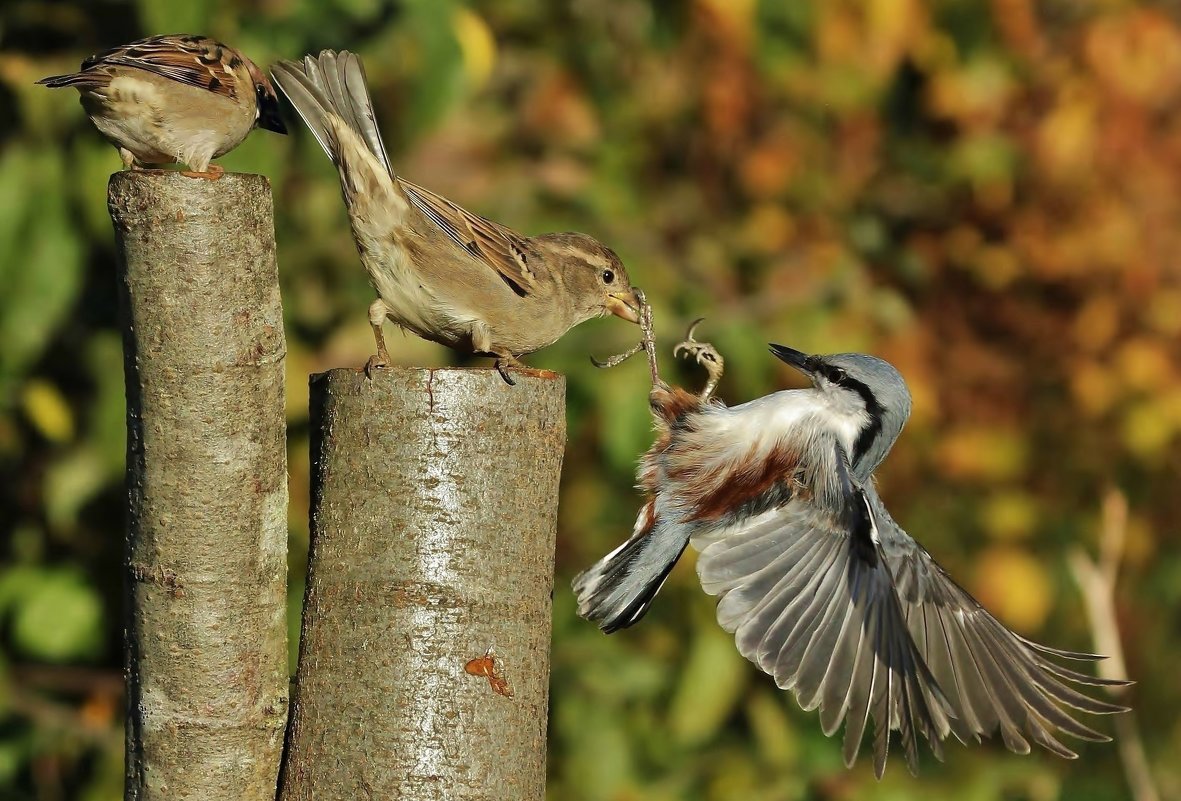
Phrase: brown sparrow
[446,274]
[174,99]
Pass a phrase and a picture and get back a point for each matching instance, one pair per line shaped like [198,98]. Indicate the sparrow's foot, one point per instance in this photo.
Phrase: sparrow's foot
[210,173]
[706,355]
[503,363]
[381,359]
[378,361]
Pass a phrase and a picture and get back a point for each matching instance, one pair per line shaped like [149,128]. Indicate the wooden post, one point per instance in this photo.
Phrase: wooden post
[207,486]
[434,511]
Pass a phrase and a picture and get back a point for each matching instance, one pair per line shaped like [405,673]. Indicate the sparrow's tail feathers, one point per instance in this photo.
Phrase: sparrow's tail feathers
[78,79]
[332,84]
[618,589]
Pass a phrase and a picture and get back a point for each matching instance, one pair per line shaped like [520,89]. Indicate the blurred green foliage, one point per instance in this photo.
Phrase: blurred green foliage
[986,193]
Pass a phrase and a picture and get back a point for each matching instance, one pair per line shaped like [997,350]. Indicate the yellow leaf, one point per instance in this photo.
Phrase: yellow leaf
[983,453]
[1145,364]
[1010,515]
[476,43]
[1066,136]
[1095,392]
[48,411]
[1097,322]
[1013,585]
[1164,311]
[1148,429]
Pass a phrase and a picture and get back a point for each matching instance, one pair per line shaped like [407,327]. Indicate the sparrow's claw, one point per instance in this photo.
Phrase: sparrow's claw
[381,359]
[503,363]
[211,173]
[378,361]
[704,354]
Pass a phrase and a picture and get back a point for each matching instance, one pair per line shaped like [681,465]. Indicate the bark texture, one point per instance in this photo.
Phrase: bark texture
[207,486]
[434,511]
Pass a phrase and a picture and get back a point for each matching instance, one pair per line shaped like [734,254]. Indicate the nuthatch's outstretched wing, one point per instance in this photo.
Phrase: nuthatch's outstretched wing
[841,606]
[810,601]
[993,677]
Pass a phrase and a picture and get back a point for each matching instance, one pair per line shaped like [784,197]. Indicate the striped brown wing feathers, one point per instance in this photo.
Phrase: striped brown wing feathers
[193,60]
[501,248]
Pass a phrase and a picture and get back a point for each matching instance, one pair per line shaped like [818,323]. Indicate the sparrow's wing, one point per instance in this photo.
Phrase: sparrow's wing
[810,601]
[993,677]
[193,60]
[501,248]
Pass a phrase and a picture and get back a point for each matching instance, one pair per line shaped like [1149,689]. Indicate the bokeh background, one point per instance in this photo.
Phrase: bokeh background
[986,193]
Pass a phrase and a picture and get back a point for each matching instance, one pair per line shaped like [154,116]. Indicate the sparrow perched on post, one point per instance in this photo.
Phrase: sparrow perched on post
[820,587]
[446,274]
[174,99]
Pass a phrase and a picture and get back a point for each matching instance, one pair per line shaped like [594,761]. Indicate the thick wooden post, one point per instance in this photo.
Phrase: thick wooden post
[207,486]
[434,510]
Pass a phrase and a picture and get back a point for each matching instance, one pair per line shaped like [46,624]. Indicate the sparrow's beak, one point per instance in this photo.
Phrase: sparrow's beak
[269,119]
[798,360]
[625,305]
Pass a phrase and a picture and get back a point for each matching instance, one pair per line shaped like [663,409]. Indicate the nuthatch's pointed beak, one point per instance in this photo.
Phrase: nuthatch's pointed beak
[800,361]
[625,305]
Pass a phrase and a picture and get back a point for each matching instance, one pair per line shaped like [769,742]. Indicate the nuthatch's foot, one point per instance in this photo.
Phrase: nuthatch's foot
[706,355]
[647,343]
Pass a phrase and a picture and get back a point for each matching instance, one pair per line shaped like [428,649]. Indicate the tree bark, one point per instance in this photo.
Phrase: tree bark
[434,511]
[207,486]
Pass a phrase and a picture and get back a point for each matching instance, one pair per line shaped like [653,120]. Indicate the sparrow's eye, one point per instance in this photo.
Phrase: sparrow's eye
[608,276]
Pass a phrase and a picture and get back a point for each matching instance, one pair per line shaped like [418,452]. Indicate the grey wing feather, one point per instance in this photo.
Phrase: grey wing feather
[808,609]
[332,83]
[879,632]
[995,678]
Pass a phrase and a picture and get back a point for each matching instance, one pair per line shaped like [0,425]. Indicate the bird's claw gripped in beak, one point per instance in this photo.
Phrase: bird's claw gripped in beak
[625,305]
[797,359]
[641,313]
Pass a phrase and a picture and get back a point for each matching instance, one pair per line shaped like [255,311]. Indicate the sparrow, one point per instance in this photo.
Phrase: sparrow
[819,586]
[174,99]
[439,271]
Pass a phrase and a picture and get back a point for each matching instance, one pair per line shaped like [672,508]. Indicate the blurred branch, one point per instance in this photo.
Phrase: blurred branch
[1097,581]
[51,715]
[68,678]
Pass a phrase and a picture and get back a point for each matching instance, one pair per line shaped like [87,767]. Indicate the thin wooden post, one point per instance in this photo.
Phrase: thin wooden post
[207,486]
[434,511]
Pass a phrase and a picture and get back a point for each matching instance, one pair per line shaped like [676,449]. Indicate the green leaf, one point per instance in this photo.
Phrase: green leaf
[710,685]
[44,273]
[192,16]
[59,619]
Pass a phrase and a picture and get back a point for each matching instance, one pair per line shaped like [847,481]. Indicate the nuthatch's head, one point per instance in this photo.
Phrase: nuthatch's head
[859,382]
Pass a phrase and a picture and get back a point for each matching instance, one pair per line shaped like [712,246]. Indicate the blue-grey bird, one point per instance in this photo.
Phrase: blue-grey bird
[820,587]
